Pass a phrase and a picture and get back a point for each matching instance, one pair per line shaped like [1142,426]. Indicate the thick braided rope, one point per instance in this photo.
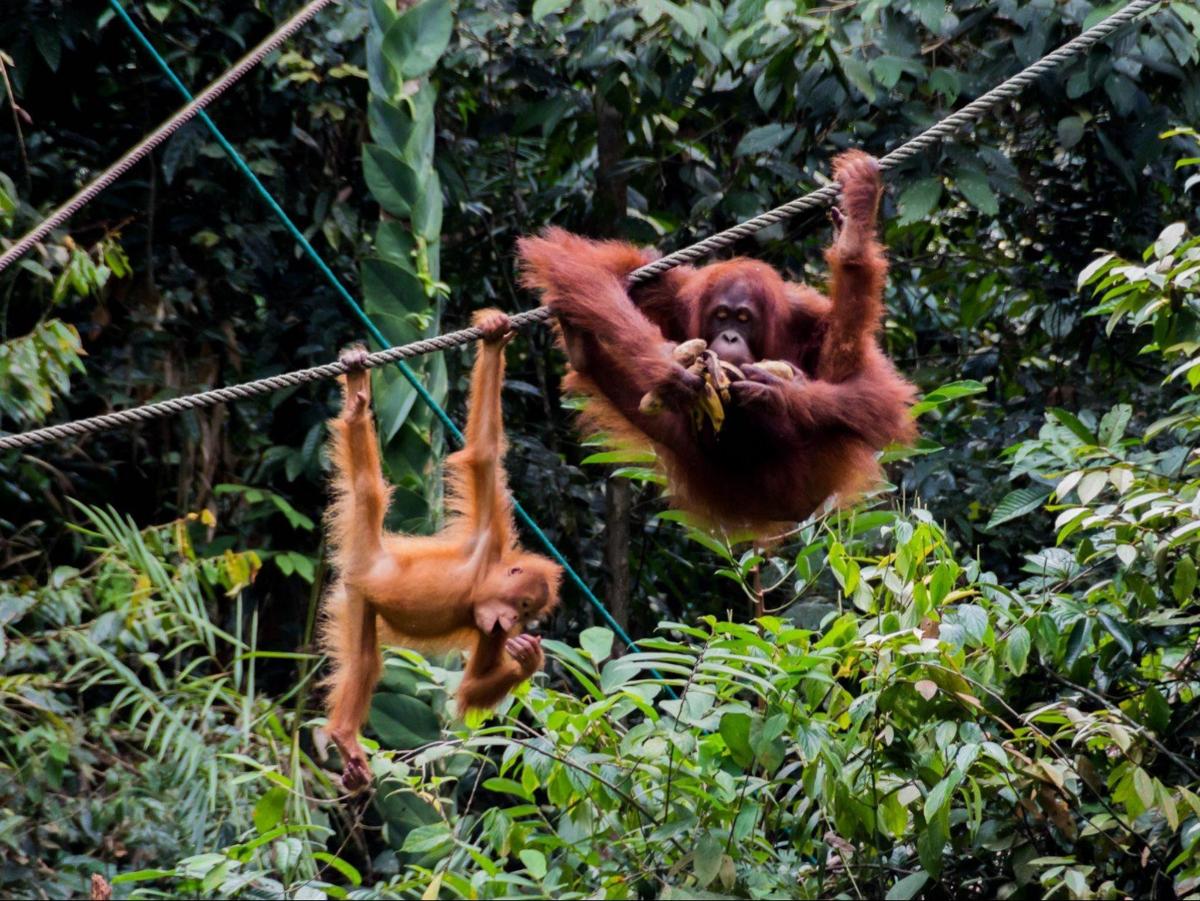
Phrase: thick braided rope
[248,389]
[974,110]
[822,196]
[26,242]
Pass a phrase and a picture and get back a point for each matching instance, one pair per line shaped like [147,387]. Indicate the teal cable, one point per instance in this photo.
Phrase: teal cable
[374,331]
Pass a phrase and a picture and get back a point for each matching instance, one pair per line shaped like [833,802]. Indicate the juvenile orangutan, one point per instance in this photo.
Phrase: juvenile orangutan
[469,587]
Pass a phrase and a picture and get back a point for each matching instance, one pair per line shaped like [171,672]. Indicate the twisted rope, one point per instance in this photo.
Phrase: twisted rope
[820,197]
[26,242]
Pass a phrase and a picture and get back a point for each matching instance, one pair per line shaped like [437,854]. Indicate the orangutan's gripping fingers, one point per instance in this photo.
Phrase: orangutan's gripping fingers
[763,396]
[680,388]
[526,649]
[496,327]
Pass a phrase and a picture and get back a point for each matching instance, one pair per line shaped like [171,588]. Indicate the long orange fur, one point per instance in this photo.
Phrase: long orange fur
[470,587]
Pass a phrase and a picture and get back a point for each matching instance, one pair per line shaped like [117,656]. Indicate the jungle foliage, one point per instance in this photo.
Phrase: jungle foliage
[982,679]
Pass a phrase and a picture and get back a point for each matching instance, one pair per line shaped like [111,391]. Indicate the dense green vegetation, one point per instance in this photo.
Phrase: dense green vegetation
[981,680]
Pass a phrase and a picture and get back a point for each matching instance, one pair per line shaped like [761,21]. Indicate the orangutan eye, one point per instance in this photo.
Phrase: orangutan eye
[743,316]
[722,313]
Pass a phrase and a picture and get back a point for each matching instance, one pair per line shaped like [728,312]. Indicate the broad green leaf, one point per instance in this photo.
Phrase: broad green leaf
[974,186]
[391,181]
[1119,631]
[268,810]
[1169,239]
[1112,426]
[415,41]
[706,861]
[1018,503]
[395,290]
[1016,649]
[1143,784]
[544,8]
[946,393]
[535,862]
[1073,424]
[908,887]
[930,13]
[617,672]
[763,138]
[1094,268]
[735,730]
[402,721]
[918,200]
[434,837]
[142,876]
[346,869]
[1070,131]
[597,642]
[939,796]
[1091,485]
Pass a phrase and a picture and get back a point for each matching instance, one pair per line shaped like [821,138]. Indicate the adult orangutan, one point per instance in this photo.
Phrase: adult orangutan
[793,435]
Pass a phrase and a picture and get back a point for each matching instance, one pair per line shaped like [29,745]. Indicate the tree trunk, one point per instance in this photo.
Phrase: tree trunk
[611,200]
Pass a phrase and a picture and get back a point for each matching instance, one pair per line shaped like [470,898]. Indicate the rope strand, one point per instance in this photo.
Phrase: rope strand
[27,241]
[820,197]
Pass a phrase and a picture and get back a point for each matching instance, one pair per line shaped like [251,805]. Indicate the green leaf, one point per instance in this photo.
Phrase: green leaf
[907,887]
[1016,649]
[1095,267]
[621,456]
[347,870]
[544,8]
[402,721]
[1184,584]
[142,876]
[1112,426]
[1169,239]
[763,138]
[617,672]
[391,181]
[1143,784]
[535,862]
[919,199]
[1091,485]
[508,786]
[1119,632]
[1070,131]
[931,842]
[434,837]
[1156,709]
[946,393]
[735,730]
[1077,428]
[393,289]
[1018,503]
[706,862]
[268,810]
[596,642]
[974,186]
[939,796]
[415,41]
[427,211]
[930,13]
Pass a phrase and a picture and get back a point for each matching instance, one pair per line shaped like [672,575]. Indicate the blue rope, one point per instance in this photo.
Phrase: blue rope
[374,331]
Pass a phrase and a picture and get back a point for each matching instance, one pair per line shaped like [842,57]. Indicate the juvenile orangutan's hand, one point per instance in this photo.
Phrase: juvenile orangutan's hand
[526,649]
[358,383]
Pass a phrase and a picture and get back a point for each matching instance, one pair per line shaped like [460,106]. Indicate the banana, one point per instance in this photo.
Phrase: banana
[695,356]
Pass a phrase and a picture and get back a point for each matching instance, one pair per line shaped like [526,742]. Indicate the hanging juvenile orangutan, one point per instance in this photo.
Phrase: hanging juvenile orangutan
[808,395]
[469,587]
